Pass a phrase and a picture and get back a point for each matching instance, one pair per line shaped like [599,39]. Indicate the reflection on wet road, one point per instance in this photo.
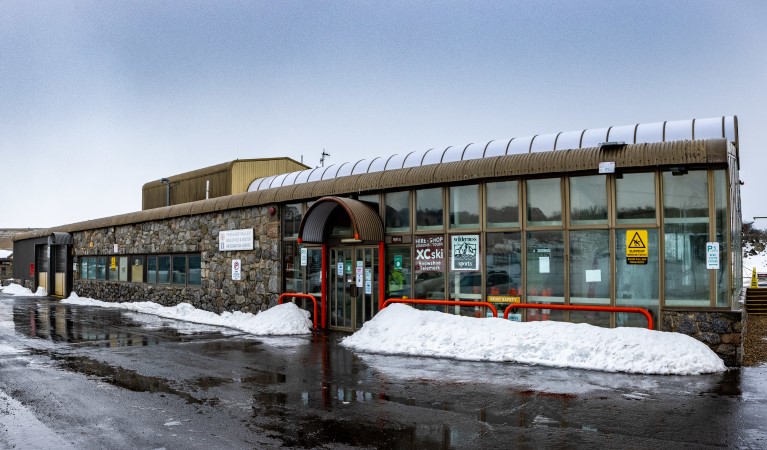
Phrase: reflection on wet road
[235,390]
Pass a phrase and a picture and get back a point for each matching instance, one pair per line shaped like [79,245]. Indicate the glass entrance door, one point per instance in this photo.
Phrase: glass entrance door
[353,289]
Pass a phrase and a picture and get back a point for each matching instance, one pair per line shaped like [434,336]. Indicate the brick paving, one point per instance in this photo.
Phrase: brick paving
[755,344]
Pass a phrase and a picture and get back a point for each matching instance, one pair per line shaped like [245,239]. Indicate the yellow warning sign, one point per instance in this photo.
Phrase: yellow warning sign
[754,282]
[636,247]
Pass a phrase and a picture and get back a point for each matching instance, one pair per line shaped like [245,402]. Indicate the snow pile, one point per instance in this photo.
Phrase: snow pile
[402,330]
[17,289]
[285,319]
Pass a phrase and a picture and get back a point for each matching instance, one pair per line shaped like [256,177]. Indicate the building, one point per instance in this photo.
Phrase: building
[645,215]
[220,180]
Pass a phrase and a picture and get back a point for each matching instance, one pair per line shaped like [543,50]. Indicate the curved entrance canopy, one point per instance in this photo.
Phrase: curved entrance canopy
[366,225]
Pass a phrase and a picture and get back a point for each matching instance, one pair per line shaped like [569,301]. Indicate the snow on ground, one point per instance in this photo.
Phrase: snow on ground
[402,330]
[285,319]
[758,261]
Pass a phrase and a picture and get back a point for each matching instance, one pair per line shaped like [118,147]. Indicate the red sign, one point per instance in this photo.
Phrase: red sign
[430,253]
[32,270]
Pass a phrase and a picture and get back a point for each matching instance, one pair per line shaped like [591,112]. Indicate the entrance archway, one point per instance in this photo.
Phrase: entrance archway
[351,235]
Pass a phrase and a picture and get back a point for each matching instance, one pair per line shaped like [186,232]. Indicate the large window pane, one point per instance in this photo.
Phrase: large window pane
[151,269]
[686,231]
[429,209]
[195,270]
[590,268]
[466,286]
[397,213]
[101,268]
[430,266]
[179,269]
[83,268]
[635,198]
[504,265]
[544,202]
[398,272]
[588,200]
[123,268]
[163,269]
[291,219]
[545,272]
[636,284]
[137,269]
[502,204]
[464,206]
[722,231]
[91,261]
[291,269]
[114,268]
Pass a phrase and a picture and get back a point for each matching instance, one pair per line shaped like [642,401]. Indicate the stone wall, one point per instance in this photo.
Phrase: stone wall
[261,268]
[721,331]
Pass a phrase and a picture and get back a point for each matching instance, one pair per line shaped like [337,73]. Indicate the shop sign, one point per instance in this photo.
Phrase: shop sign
[712,255]
[636,247]
[304,253]
[430,253]
[465,252]
[32,270]
[235,240]
[398,262]
[515,317]
[503,299]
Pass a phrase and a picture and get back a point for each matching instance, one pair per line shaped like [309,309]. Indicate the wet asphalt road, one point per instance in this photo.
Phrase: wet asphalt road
[90,377]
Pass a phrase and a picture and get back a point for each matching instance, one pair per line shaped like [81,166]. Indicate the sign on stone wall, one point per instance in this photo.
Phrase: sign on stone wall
[235,240]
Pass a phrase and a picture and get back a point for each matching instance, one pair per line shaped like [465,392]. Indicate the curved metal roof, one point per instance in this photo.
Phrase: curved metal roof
[366,225]
[668,131]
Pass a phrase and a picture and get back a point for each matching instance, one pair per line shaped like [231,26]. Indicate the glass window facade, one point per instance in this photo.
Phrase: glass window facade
[464,207]
[544,202]
[588,200]
[686,231]
[291,219]
[569,246]
[502,204]
[429,209]
[397,212]
[635,198]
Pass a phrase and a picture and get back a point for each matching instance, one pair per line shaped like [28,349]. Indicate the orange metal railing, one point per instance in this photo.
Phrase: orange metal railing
[294,295]
[421,301]
[626,309]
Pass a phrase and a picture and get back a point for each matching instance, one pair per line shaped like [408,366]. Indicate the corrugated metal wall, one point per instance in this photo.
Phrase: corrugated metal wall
[225,179]
[24,255]
[245,171]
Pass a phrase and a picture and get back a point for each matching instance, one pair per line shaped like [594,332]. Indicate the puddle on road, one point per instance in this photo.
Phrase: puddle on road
[729,385]
[117,376]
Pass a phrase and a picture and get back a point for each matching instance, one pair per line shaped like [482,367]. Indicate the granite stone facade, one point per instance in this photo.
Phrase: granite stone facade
[257,290]
[721,331]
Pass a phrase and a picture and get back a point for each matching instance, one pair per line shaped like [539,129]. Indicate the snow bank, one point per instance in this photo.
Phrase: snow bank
[402,330]
[285,319]
[16,289]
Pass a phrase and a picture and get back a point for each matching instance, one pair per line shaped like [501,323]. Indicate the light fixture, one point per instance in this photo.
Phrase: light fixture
[612,145]
[681,170]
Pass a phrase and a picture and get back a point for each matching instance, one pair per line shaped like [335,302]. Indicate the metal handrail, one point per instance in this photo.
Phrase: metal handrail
[422,301]
[627,309]
[295,295]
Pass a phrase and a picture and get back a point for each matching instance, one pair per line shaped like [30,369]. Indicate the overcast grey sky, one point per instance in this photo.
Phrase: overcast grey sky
[98,98]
